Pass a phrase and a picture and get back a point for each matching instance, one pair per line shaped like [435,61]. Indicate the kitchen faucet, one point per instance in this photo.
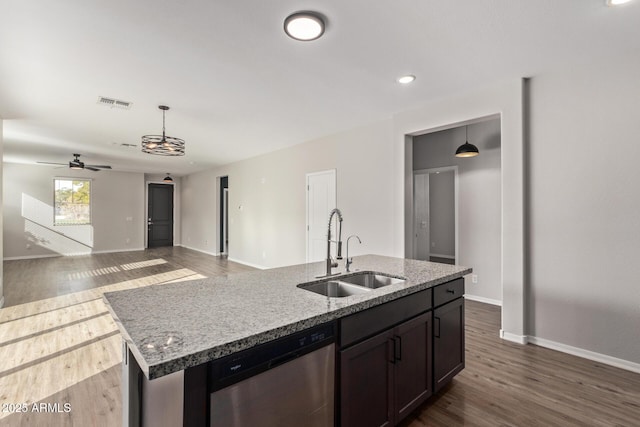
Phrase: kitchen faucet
[350,260]
[330,261]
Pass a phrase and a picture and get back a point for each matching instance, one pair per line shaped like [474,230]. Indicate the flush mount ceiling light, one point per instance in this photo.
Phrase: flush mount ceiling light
[168,178]
[617,2]
[304,26]
[162,145]
[406,79]
[466,149]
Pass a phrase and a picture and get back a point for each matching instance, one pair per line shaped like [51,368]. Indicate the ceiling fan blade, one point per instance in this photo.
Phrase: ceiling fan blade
[51,163]
[99,166]
[91,169]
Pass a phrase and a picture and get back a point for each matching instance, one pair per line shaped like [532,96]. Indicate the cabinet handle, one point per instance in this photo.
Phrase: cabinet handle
[398,342]
[437,334]
[393,348]
[451,291]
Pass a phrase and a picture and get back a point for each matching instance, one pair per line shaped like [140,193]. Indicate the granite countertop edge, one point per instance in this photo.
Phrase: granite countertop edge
[159,368]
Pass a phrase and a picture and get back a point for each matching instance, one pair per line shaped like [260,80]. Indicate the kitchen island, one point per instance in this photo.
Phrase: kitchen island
[179,328]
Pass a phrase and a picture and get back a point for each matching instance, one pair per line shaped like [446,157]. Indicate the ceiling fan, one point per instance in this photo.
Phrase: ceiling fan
[77,164]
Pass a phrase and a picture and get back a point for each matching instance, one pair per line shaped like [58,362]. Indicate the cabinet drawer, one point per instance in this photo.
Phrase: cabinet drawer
[375,319]
[449,291]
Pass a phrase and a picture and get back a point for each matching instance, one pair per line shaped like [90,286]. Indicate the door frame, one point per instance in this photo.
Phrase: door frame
[334,172]
[146,210]
[453,168]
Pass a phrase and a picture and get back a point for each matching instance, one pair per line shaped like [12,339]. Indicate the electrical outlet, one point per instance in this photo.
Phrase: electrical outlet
[474,278]
[206,242]
[433,244]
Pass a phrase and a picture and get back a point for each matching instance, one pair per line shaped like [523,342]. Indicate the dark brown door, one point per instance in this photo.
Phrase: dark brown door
[366,380]
[413,364]
[448,342]
[160,215]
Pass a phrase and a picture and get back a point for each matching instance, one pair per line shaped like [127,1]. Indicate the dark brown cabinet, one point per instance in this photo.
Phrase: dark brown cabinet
[448,334]
[387,376]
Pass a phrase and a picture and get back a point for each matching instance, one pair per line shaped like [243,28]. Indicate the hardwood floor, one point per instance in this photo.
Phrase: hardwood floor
[58,344]
[506,384]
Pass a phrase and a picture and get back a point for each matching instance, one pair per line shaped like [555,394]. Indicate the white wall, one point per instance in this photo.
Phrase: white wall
[117,213]
[269,231]
[479,198]
[1,220]
[585,208]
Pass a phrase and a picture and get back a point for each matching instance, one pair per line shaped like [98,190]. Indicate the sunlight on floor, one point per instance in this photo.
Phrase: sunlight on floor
[50,345]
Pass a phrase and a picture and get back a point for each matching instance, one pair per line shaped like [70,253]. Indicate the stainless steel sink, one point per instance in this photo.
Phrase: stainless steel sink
[371,280]
[334,288]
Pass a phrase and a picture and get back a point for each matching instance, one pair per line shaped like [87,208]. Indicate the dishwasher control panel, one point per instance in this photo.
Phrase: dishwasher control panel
[236,367]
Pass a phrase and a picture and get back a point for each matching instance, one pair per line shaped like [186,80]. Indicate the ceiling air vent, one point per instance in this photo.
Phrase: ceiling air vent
[114,103]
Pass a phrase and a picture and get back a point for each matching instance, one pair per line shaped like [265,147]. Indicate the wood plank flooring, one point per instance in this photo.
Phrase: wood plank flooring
[58,344]
[506,384]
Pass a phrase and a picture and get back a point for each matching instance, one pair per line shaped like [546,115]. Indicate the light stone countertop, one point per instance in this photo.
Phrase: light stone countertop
[171,327]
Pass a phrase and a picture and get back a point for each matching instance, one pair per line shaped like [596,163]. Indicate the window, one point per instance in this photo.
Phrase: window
[72,202]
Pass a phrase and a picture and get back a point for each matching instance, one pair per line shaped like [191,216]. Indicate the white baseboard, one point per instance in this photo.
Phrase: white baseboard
[483,299]
[200,250]
[587,354]
[14,258]
[110,251]
[260,267]
[518,339]
[1,301]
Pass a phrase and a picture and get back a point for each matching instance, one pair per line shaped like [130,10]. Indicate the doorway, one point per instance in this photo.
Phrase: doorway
[321,200]
[224,216]
[160,215]
[435,226]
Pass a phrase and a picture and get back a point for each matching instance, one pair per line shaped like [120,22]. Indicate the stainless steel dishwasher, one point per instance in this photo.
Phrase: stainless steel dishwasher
[287,382]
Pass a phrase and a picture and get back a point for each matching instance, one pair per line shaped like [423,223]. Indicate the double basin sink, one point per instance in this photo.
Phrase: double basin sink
[355,284]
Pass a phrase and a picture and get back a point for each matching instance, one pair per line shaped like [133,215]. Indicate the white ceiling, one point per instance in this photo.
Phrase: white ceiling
[239,87]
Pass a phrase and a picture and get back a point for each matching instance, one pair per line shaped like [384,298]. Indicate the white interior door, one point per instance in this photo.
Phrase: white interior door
[421,216]
[321,199]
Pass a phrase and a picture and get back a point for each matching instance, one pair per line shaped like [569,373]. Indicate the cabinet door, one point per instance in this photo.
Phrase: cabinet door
[366,376]
[448,342]
[413,364]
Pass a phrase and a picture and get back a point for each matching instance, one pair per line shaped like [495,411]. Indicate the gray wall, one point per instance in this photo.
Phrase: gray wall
[479,201]
[269,229]
[117,213]
[585,208]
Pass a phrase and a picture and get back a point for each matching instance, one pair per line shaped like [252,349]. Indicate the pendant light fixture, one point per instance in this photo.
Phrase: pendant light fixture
[168,178]
[466,149]
[162,145]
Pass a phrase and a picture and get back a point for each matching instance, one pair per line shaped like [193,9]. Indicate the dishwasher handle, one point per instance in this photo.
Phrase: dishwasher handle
[277,361]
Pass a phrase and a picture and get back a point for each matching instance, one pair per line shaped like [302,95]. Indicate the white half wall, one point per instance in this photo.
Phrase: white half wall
[117,213]
[267,198]
[1,221]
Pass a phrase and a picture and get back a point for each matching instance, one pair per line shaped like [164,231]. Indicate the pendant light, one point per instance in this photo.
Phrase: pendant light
[466,149]
[162,145]
[168,178]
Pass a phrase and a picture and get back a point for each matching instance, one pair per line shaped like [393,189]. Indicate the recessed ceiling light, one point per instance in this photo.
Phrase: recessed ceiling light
[616,2]
[304,26]
[406,79]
